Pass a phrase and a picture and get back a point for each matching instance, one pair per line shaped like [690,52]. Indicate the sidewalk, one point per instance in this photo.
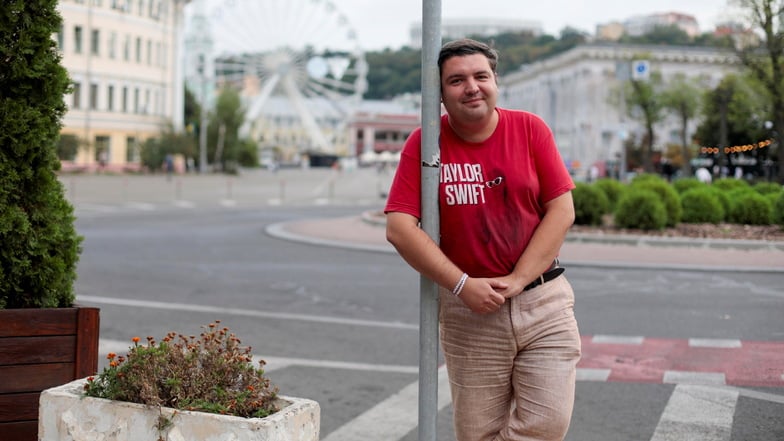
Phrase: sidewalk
[366,232]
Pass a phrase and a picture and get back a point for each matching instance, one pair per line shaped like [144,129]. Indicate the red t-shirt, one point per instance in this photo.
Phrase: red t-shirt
[491,194]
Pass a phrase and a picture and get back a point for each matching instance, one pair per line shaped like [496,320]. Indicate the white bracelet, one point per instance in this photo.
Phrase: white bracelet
[460,284]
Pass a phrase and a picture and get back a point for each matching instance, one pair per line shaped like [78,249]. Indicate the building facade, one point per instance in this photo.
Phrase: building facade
[123,60]
[573,93]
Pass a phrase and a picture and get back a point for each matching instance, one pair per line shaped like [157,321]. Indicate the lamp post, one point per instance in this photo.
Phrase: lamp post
[202,116]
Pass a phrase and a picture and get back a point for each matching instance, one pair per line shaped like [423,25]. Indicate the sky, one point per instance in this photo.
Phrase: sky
[386,23]
[380,24]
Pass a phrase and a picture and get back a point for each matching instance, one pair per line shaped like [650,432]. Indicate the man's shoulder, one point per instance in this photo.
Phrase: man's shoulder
[518,114]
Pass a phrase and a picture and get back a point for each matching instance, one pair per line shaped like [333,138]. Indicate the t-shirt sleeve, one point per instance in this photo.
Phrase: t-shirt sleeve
[404,194]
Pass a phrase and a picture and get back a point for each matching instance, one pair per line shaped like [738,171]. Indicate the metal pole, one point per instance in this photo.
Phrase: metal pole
[428,305]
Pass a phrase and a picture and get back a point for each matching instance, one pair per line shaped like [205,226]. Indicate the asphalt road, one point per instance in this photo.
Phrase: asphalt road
[340,326]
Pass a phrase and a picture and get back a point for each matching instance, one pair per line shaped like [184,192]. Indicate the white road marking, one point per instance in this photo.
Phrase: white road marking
[714,343]
[697,413]
[246,312]
[392,418]
[618,339]
[688,377]
[588,374]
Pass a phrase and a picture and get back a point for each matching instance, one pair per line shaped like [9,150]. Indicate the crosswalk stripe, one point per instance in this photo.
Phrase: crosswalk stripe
[392,418]
[697,413]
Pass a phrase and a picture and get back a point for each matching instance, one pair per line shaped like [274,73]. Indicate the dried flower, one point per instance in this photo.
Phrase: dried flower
[210,374]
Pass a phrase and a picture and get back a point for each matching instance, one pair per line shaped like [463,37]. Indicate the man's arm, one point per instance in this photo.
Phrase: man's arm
[424,255]
[544,246]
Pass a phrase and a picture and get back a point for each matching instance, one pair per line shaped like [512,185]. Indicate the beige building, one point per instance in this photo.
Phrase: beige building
[123,60]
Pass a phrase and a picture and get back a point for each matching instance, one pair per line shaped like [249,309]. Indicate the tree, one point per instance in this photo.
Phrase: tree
[731,115]
[766,61]
[644,104]
[682,95]
[223,141]
[39,247]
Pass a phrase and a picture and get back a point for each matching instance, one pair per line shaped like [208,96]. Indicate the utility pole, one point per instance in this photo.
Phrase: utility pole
[431,128]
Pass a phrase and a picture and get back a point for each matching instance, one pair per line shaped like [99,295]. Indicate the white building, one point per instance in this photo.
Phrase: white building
[571,91]
[643,24]
[123,59]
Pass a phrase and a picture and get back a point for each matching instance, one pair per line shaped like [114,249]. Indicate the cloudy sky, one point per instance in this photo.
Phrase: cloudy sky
[380,24]
[386,23]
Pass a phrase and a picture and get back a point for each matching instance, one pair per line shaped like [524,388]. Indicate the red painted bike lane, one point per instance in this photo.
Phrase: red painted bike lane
[655,360]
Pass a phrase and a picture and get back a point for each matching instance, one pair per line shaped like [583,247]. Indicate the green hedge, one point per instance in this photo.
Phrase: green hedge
[701,205]
[590,204]
[641,208]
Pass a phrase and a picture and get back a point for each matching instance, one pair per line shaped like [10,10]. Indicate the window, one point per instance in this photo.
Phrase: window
[110,98]
[77,95]
[127,48]
[138,49]
[60,39]
[112,43]
[136,100]
[93,96]
[125,99]
[95,42]
[78,39]
[131,150]
[103,150]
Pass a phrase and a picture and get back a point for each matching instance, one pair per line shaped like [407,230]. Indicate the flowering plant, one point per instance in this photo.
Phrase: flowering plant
[212,373]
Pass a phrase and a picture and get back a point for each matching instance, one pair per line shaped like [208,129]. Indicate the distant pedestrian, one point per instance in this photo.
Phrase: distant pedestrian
[169,166]
[703,175]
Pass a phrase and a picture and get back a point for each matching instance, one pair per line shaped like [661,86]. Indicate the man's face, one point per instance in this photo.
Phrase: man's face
[469,89]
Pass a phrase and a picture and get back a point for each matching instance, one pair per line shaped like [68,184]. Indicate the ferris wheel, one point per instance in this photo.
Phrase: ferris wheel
[304,51]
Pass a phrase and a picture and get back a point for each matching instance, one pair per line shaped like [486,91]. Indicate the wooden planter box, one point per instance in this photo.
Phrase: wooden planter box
[39,349]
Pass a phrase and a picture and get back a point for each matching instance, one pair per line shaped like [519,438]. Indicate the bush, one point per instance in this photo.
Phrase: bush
[39,247]
[685,184]
[612,189]
[723,198]
[641,208]
[778,208]
[668,196]
[210,374]
[765,188]
[590,204]
[729,184]
[751,208]
[701,205]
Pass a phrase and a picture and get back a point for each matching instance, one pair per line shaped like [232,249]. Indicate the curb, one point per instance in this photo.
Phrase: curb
[280,231]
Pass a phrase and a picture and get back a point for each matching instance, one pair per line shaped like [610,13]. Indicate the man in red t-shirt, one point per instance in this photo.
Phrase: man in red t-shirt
[508,330]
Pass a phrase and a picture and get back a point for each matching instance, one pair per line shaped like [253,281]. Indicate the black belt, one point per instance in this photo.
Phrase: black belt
[546,276]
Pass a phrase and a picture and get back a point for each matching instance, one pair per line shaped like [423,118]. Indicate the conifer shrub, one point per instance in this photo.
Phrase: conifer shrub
[590,204]
[39,247]
[701,205]
[612,189]
[641,208]
[668,196]
[750,208]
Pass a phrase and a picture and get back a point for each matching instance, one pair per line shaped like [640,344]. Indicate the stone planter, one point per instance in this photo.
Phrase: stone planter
[66,415]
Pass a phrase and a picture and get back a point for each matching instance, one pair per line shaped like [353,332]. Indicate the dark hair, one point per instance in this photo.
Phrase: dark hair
[464,47]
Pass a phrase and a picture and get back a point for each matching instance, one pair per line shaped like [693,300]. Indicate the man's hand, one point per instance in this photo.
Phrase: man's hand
[481,295]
